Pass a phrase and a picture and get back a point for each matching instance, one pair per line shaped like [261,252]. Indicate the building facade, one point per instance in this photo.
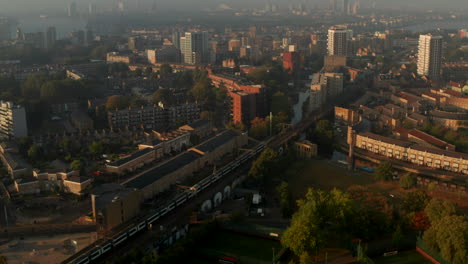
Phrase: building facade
[154,117]
[430,56]
[338,41]
[12,121]
[194,47]
[412,153]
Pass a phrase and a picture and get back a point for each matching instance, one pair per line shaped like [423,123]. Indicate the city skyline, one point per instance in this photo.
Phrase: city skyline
[29,6]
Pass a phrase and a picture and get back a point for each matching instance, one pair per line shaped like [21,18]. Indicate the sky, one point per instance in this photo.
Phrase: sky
[45,6]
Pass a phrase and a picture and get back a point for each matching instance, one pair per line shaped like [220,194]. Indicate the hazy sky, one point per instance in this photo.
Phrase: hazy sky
[39,6]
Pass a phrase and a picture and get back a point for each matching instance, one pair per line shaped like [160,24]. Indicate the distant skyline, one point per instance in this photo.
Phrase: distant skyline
[47,6]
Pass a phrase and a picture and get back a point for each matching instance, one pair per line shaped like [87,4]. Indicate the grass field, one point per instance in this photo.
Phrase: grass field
[406,257]
[246,249]
[322,174]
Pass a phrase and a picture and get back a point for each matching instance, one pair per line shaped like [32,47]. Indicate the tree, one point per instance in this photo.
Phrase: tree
[319,213]
[407,181]
[34,153]
[407,124]
[280,104]
[449,236]
[397,236]
[163,95]
[77,165]
[420,221]
[100,52]
[372,212]
[415,201]
[148,71]
[259,75]
[236,126]
[305,258]
[323,134]
[259,128]
[203,92]
[264,165]
[165,70]
[117,102]
[138,102]
[96,148]
[284,195]
[384,171]
[431,187]
[437,209]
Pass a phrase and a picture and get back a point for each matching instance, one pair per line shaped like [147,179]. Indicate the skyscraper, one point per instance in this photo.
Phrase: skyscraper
[344,6]
[194,47]
[72,10]
[5,32]
[91,9]
[333,5]
[176,39]
[430,56]
[51,37]
[338,41]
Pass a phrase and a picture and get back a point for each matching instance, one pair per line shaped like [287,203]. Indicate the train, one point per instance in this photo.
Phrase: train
[145,225]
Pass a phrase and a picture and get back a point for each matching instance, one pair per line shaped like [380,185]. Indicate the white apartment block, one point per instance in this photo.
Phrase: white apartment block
[430,56]
[194,47]
[339,41]
[12,121]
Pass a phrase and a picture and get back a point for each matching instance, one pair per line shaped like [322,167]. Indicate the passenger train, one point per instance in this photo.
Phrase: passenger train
[103,247]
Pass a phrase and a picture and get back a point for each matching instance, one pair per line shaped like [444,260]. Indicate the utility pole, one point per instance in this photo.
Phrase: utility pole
[273,260]
[271,123]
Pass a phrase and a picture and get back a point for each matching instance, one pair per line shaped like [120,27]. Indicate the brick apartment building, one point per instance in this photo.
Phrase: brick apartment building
[154,117]
[247,100]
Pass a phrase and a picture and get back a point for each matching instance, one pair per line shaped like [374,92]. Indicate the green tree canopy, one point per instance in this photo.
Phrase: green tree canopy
[264,165]
[437,209]
[259,128]
[165,70]
[320,212]
[163,95]
[284,195]
[384,171]
[449,236]
[372,212]
[96,148]
[34,153]
[323,134]
[77,165]
[408,181]
[117,102]
[415,201]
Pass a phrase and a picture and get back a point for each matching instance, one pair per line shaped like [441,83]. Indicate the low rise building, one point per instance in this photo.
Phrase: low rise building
[346,115]
[178,168]
[411,152]
[126,58]
[48,181]
[161,177]
[449,119]
[200,128]
[305,149]
[131,162]
[114,204]
[427,140]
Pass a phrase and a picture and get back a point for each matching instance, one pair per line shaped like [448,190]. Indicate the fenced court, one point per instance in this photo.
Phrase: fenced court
[247,249]
[405,257]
